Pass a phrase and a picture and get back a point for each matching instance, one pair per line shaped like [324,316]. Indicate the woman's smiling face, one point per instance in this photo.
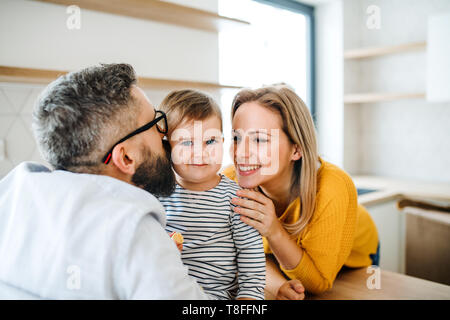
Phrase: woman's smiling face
[261,150]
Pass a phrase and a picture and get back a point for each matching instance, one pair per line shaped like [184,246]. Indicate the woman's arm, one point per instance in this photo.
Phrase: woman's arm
[258,211]
[329,239]
[284,248]
[274,278]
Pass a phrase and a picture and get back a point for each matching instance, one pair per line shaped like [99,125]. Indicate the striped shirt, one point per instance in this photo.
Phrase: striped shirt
[222,253]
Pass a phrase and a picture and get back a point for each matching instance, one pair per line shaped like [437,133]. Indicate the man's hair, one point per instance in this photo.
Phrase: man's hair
[187,105]
[80,115]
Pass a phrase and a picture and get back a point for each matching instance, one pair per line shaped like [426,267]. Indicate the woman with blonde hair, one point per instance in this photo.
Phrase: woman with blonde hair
[305,208]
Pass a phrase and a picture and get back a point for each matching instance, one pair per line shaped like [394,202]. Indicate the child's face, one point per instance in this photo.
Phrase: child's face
[197,147]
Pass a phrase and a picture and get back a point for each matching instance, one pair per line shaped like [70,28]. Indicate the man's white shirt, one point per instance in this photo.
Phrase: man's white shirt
[65,235]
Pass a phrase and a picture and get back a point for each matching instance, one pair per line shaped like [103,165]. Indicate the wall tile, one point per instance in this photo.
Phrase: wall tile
[17,96]
[31,100]
[5,167]
[6,122]
[5,105]
[20,143]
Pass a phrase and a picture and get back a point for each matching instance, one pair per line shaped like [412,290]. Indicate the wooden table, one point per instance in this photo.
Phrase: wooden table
[351,284]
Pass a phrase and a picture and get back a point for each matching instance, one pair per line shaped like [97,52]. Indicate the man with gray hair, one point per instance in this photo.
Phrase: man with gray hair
[91,228]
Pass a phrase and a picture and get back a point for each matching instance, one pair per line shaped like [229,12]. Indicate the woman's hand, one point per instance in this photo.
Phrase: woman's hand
[291,290]
[257,211]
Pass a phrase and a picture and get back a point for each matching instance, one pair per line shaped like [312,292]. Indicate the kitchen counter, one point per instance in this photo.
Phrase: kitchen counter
[351,284]
[389,189]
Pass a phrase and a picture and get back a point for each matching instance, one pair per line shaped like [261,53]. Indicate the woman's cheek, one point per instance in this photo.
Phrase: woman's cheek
[269,155]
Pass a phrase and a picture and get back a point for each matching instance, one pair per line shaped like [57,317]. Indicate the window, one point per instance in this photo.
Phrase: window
[277,47]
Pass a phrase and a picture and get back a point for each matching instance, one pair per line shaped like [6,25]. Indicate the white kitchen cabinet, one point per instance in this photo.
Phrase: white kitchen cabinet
[390,223]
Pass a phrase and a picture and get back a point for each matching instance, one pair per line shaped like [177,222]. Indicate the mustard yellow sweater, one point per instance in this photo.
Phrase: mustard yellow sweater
[340,232]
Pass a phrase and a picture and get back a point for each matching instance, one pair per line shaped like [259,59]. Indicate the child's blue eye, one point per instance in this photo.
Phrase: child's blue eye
[186,143]
[260,140]
[210,141]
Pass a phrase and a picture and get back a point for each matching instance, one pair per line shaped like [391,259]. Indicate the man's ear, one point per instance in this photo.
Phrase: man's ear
[297,153]
[123,160]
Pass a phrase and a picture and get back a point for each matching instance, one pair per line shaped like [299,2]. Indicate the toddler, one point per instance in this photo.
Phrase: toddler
[222,253]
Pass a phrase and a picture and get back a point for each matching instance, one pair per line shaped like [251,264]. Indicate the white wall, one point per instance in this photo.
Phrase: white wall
[329,68]
[34,35]
[406,138]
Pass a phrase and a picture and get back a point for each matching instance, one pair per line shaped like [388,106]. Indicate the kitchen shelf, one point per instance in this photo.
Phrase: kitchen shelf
[160,11]
[42,76]
[371,52]
[380,97]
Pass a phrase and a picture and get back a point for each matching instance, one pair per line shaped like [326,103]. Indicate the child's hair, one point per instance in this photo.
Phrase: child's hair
[186,104]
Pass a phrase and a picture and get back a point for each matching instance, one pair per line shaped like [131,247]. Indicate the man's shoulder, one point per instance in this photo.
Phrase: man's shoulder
[83,192]
[119,197]
[22,170]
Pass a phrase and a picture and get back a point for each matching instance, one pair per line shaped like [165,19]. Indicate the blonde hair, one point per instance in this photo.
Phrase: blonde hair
[299,127]
[182,105]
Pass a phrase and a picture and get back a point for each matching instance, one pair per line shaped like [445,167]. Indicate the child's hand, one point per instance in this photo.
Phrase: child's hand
[179,246]
[178,239]
[291,290]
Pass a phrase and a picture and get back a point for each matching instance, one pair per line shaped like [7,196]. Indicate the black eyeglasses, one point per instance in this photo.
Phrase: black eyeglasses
[160,125]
